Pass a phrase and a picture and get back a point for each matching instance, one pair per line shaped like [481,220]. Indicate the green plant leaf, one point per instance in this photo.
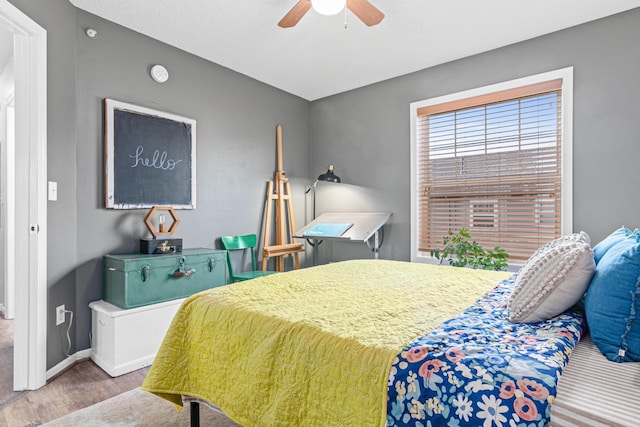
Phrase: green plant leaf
[461,251]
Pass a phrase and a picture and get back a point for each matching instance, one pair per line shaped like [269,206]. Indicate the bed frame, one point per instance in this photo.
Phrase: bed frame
[194,408]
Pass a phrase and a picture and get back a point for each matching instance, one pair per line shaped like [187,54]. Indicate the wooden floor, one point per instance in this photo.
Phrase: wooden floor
[78,387]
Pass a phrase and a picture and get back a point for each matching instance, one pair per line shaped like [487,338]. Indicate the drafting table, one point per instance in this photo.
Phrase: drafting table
[365,225]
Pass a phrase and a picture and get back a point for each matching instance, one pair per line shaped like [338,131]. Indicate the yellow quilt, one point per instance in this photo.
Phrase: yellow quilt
[308,347]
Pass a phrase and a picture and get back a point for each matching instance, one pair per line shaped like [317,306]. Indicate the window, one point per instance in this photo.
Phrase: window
[494,160]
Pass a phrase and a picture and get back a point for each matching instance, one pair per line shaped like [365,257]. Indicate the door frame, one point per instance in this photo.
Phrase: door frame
[30,324]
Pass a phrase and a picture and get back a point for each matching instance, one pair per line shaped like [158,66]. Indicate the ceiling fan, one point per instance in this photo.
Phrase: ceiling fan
[364,10]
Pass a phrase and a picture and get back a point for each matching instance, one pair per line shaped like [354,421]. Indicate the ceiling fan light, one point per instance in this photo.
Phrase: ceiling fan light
[328,7]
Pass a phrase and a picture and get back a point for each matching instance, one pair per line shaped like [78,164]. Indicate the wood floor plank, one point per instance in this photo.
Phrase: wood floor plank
[6,377]
[82,385]
[6,333]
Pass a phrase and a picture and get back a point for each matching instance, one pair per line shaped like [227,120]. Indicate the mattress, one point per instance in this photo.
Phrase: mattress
[595,392]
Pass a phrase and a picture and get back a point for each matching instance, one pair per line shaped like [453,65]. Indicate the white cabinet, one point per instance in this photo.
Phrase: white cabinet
[127,340]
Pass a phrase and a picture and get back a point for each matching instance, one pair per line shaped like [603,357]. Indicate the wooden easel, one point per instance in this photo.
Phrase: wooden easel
[285,244]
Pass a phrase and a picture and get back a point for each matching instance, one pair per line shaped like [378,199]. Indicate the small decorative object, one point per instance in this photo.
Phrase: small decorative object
[461,251]
[161,246]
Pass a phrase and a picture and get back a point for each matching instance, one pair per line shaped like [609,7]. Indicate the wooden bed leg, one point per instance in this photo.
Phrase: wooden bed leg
[195,414]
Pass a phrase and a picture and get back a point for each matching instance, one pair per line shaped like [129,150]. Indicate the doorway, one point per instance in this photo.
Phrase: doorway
[30,204]
[7,142]
[7,196]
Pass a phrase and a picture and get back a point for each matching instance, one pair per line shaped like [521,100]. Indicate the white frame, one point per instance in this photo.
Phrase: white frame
[566,74]
[30,324]
[110,105]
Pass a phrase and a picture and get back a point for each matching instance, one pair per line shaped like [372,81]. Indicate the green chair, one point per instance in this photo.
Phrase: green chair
[242,243]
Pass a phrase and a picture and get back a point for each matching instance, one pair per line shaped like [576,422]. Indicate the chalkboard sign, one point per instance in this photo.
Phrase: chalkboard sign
[150,158]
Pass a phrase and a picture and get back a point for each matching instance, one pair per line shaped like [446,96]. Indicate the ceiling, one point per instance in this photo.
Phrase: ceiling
[320,57]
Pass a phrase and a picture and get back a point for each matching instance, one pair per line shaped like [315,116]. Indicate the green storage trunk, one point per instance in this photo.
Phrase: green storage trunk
[140,279]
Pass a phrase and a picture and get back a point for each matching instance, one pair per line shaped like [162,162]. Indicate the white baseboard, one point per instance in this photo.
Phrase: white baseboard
[68,362]
[123,368]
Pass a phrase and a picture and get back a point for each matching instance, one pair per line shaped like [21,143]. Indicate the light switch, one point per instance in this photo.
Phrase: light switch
[53,191]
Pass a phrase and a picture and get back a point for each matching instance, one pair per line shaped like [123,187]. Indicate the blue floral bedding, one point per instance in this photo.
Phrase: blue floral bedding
[479,369]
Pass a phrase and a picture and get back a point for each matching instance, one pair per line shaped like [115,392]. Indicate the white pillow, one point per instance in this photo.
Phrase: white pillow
[554,279]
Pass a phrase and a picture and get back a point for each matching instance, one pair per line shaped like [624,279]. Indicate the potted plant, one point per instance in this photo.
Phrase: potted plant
[461,251]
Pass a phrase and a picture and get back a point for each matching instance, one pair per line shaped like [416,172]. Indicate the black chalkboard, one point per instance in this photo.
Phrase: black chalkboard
[149,158]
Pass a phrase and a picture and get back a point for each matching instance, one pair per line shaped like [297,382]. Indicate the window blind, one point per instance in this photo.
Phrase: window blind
[492,164]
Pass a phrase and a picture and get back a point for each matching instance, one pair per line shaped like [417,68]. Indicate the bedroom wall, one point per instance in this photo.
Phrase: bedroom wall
[236,120]
[365,132]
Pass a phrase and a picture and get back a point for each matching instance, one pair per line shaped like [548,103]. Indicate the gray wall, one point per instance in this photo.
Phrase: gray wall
[236,121]
[365,132]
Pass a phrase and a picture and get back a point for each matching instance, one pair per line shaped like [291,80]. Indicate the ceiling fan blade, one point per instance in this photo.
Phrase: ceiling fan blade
[295,14]
[367,12]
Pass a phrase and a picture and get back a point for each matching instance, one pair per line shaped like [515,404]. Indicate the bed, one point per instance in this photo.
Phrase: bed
[595,392]
[365,343]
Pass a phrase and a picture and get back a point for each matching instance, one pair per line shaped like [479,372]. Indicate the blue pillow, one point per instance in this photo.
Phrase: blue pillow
[610,241]
[612,302]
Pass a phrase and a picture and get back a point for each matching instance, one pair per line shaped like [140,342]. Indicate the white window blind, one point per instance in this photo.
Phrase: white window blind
[492,164]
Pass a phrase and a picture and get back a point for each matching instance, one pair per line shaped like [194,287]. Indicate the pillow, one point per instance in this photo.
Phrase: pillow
[610,241]
[612,303]
[553,280]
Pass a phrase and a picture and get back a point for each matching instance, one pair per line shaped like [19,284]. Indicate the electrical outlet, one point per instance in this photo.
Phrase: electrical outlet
[60,315]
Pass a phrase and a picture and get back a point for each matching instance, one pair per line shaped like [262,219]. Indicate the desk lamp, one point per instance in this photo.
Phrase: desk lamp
[328,176]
